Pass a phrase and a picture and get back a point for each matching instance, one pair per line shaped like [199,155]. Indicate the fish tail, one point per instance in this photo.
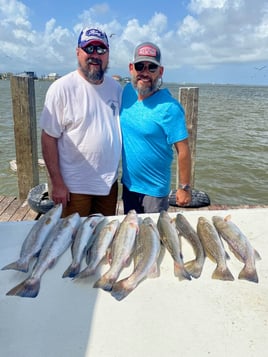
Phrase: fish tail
[181,272]
[194,268]
[71,271]
[105,283]
[222,274]
[121,289]
[28,288]
[17,265]
[248,274]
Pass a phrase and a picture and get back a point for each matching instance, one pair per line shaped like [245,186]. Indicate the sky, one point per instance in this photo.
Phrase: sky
[201,41]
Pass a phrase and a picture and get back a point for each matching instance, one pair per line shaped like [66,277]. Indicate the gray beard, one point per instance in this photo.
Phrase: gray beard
[145,91]
[95,76]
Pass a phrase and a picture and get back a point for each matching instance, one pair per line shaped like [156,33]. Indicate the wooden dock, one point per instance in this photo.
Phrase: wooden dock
[14,209]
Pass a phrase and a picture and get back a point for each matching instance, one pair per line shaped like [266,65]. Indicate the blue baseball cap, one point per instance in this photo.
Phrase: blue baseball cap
[91,35]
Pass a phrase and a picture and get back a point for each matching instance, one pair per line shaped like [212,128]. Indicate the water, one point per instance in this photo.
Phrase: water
[232,140]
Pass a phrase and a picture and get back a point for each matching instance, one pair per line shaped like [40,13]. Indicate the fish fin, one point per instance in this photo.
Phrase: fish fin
[71,271]
[227,218]
[109,256]
[104,283]
[256,254]
[222,274]
[236,254]
[128,260]
[28,288]
[85,273]
[17,265]
[121,289]
[248,274]
[154,271]
[88,256]
[227,256]
[180,272]
[193,268]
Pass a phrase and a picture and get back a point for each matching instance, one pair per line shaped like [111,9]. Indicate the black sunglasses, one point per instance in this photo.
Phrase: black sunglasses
[140,66]
[90,49]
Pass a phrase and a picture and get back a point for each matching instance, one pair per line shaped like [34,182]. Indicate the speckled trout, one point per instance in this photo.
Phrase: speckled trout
[35,239]
[170,238]
[59,239]
[83,240]
[214,248]
[121,250]
[240,246]
[147,250]
[100,246]
[195,266]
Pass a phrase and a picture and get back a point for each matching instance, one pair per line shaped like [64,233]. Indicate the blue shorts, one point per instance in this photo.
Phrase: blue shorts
[142,203]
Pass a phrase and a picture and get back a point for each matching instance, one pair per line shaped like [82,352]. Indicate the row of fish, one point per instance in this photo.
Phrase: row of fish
[96,239]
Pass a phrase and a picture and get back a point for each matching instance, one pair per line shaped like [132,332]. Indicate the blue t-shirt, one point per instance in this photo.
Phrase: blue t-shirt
[149,129]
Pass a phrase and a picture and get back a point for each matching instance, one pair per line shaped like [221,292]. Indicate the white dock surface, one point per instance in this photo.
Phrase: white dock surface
[161,317]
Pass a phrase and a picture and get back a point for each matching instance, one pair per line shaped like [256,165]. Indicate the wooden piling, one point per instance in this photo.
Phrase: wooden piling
[188,97]
[24,117]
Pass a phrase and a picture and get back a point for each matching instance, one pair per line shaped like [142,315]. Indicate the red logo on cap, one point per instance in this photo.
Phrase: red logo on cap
[147,51]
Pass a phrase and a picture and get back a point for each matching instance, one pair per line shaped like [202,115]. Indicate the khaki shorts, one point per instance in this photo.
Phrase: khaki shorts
[89,204]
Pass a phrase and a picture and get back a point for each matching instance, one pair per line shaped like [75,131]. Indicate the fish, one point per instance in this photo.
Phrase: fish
[101,244]
[214,249]
[239,244]
[35,239]
[82,242]
[195,266]
[170,239]
[58,241]
[146,254]
[96,233]
[121,250]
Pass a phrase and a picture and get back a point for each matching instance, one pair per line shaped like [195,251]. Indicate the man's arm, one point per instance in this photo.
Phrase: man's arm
[183,195]
[59,192]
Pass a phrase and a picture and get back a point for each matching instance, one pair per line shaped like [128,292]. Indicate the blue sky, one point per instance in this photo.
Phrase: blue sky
[202,41]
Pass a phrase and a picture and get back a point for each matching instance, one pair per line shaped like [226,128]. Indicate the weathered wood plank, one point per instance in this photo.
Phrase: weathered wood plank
[24,213]
[188,97]
[10,210]
[5,203]
[24,116]
[13,209]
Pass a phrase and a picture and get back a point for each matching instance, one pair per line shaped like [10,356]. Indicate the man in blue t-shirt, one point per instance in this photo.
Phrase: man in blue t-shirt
[152,121]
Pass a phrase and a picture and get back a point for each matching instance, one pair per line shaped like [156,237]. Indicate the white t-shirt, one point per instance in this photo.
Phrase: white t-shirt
[85,119]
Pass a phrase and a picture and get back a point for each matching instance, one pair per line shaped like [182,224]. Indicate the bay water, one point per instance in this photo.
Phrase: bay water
[231,149]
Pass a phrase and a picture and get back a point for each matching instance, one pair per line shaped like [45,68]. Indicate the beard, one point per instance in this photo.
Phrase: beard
[93,73]
[145,89]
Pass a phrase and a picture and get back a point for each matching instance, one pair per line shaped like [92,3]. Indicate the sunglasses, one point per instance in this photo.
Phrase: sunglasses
[90,49]
[140,66]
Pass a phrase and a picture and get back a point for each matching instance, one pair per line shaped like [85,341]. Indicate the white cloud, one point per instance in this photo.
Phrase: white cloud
[190,27]
[214,32]
[199,6]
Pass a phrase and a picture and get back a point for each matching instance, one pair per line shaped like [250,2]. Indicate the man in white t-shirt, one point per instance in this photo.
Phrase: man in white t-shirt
[81,137]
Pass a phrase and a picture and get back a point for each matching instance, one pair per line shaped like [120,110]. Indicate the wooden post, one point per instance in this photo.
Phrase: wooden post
[188,97]
[24,117]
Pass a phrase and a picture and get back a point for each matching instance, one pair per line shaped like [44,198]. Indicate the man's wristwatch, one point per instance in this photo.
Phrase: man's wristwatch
[185,187]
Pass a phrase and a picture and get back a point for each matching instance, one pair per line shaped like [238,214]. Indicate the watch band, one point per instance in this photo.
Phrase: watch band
[186,187]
